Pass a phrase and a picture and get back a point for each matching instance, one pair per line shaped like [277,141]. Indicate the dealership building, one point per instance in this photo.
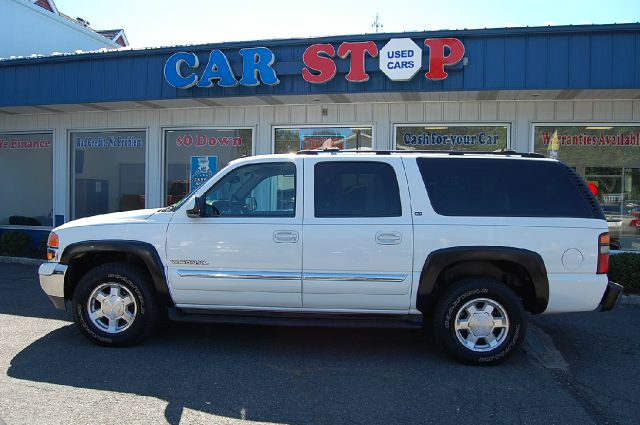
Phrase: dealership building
[92,133]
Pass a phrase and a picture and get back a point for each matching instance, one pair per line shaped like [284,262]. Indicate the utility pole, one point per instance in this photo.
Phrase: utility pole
[377,23]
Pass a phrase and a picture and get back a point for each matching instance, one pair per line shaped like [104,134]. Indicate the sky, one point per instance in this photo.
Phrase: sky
[169,22]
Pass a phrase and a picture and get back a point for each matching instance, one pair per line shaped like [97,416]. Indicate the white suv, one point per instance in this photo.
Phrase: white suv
[465,242]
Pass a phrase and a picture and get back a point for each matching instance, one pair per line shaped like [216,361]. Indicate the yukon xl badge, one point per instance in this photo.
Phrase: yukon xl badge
[191,262]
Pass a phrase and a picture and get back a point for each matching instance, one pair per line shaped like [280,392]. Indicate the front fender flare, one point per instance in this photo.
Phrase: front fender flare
[146,252]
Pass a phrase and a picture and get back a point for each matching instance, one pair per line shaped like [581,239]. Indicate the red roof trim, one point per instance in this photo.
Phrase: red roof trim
[44,4]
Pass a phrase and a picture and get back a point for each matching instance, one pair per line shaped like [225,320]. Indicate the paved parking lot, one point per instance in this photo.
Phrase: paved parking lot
[577,368]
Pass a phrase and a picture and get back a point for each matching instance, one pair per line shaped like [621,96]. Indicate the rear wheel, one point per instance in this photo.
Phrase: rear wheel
[114,305]
[479,321]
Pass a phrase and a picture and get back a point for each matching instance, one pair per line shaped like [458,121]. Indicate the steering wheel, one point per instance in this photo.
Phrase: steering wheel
[222,207]
[236,207]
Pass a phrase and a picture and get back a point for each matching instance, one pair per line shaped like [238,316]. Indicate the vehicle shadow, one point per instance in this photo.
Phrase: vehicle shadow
[291,375]
[21,295]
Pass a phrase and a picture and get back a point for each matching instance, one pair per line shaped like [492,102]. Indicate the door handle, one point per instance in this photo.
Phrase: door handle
[285,236]
[388,238]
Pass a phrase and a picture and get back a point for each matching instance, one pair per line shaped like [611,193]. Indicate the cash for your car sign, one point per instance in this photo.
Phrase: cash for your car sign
[452,137]
[202,169]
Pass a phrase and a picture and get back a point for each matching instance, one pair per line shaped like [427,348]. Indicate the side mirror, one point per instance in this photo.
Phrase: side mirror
[194,207]
[250,203]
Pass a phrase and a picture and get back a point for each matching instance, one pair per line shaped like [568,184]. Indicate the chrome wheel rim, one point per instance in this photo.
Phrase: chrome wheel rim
[112,308]
[481,325]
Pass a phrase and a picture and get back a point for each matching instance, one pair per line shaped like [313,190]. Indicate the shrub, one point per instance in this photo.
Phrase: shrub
[15,242]
[42,248]
[624,268]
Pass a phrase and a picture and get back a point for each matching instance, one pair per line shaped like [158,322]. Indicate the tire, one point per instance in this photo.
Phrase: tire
[114,305]
[484,306]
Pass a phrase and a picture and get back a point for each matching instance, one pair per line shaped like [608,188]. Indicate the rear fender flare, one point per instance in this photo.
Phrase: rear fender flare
[439,260]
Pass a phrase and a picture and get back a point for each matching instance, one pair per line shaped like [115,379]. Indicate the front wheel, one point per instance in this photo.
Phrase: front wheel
[479,321]
[114,305]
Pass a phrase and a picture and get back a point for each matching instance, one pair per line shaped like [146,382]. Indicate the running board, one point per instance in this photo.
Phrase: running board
[406,321]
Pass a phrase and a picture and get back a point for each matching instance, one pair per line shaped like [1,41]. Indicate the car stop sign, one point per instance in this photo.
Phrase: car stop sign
[400,59]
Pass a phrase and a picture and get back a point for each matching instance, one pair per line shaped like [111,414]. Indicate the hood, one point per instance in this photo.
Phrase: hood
[125,217]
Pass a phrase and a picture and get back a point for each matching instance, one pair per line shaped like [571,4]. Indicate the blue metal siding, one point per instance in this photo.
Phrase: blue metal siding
[601,61]
[558,63]
[579,60]
[516,62]
[494,66]
[580,57]
[624,63]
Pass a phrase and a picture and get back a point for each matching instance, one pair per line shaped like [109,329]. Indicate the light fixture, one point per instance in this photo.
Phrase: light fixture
[436,128]
[599,127]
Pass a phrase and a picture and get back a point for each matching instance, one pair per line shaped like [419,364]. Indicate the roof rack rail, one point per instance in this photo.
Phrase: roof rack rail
[506,152]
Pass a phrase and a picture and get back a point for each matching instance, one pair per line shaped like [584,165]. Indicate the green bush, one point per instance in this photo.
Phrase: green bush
[41,252]
[15,242]
[624,269]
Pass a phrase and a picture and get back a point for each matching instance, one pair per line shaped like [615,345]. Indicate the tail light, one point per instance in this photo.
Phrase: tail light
[603,253]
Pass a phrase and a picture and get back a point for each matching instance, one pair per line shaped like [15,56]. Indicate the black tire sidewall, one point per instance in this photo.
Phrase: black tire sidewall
[457,296]
[137,283]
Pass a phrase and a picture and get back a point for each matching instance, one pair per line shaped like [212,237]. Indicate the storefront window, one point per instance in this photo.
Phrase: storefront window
[298,139]
[26,172]
[608,158]
[195,155]
[109,172]
[486,137]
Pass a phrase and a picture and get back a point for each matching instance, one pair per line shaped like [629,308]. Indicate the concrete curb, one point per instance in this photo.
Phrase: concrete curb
[21,260]
[630,300]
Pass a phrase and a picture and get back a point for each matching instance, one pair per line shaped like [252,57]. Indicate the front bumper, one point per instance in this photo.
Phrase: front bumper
[52,282]
[611,296]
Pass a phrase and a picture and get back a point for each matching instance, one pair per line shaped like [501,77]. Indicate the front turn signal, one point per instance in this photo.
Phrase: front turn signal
[52,245]
[53,241]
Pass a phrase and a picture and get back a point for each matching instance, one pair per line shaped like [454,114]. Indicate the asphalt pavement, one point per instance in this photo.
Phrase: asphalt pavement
[574,369]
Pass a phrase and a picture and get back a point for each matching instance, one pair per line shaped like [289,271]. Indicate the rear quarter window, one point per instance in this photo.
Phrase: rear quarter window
[505,188]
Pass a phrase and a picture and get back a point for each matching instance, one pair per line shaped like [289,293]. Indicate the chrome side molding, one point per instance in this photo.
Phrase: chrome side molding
[317,277]
[355,277]
[233,274]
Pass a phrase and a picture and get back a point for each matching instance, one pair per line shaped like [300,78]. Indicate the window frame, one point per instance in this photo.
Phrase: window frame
[534,124]
[163,149]
[440,208]
[350,217]
[600,123]
[71,164]
[249,216]
[54,196]
[395,126]
[323,125]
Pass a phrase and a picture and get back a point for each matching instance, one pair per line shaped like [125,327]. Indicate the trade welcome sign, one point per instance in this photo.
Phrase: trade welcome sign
[400,59]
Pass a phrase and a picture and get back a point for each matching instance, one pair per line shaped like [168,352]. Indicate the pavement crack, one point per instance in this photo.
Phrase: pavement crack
[541,348]
[595,413]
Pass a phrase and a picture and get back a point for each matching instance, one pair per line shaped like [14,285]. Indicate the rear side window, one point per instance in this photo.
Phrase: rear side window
[356,189]
[504,188]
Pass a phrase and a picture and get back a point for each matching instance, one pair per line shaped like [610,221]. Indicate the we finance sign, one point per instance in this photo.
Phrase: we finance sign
[400,59]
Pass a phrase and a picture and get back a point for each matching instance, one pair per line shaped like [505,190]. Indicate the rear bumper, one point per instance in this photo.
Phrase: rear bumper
[611,296]
[52,282]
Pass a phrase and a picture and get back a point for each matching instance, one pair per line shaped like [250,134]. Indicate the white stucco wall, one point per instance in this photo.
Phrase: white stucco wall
[29,29]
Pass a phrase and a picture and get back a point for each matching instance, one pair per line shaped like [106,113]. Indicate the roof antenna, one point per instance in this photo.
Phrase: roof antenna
[377,23]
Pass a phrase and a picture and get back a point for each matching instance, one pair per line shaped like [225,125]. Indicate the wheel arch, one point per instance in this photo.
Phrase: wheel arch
[521,269]
[83,256]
